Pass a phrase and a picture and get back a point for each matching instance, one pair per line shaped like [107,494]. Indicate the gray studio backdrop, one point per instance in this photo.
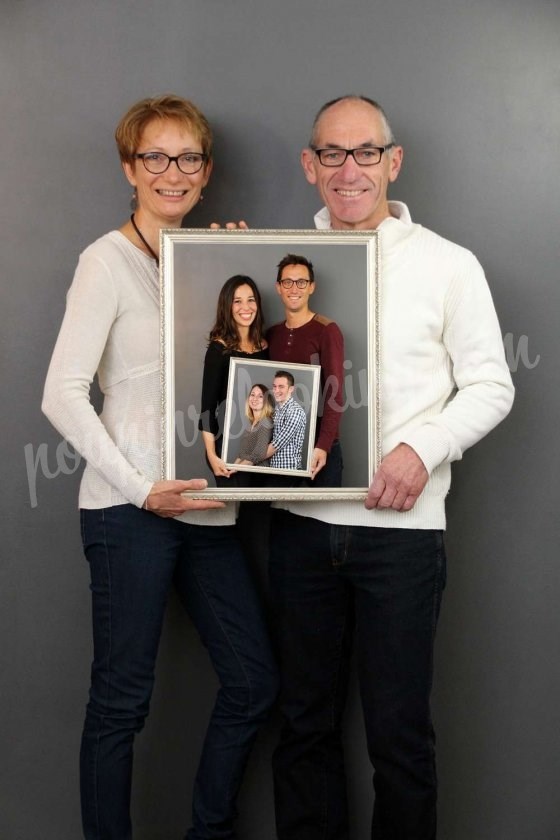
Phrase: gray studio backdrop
[472,89]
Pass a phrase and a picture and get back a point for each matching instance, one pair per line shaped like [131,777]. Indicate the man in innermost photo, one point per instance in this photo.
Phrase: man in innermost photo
[308,338]
[290,421]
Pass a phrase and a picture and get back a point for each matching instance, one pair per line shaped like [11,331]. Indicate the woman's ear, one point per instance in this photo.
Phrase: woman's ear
[207,172]
[129,171]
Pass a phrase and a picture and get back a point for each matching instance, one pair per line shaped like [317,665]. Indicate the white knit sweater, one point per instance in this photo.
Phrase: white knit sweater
[444,378]
[111,327]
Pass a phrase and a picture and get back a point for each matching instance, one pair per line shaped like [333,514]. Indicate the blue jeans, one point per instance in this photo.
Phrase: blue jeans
[378,590]
[134,559]
[331,474]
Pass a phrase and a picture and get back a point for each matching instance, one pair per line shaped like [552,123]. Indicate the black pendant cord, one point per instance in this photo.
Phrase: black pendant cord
[148,246]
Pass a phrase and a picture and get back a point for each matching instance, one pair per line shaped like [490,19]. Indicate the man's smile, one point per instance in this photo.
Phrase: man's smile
[348,193]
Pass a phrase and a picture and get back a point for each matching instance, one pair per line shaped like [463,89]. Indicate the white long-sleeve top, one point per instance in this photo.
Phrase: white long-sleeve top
[112,327]
[445,382]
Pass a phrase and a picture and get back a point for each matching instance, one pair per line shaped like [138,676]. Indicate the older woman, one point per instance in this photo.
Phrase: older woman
[140,534]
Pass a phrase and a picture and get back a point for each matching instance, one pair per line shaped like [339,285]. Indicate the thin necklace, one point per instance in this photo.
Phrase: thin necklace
[147,244]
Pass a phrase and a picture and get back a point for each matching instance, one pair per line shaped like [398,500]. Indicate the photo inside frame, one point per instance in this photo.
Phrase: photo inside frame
[195,269]
[243,376]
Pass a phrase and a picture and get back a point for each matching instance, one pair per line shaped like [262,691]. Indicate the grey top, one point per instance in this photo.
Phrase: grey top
[254,442]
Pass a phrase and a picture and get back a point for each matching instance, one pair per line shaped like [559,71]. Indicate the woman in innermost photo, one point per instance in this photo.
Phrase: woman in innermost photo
[238,331]
[259,409]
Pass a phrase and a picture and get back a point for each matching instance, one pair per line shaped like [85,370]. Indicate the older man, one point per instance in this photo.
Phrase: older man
[371,576]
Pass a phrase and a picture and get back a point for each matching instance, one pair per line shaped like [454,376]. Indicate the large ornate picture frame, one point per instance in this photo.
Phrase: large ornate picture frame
[195,265]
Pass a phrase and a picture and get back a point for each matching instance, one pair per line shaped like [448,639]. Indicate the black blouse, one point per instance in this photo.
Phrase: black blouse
[214,385]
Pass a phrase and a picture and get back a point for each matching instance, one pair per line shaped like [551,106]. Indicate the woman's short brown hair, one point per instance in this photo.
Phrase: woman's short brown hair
[166,107]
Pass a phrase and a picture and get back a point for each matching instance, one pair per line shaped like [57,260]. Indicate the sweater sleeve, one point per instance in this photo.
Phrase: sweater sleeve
[484,389]
[255,442]
[92,308]
[216,364]
[332,375]
[245,448]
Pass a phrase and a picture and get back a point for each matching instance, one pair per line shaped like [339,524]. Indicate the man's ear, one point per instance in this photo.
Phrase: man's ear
[308,162]
[395,163]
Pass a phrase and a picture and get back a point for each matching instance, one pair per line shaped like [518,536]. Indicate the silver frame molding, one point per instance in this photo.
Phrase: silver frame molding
[176,245]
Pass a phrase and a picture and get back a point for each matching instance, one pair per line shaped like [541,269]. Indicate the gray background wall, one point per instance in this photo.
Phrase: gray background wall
[472,89]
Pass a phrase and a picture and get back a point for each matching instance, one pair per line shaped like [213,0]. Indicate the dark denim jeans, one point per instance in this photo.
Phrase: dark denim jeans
[378,590]
[134,558]
[331,474]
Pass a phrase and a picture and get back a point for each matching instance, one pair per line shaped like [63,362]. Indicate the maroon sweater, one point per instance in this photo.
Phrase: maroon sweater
[319,342]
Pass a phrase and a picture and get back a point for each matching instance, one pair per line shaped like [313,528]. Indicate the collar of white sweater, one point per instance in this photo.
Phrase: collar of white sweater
[397,230]
[398,210]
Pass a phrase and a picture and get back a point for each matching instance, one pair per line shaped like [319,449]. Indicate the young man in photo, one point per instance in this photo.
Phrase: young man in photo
[305,337]
[290,422]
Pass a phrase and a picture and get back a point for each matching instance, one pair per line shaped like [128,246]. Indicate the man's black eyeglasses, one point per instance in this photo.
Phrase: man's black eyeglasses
[364,156]
[288,282]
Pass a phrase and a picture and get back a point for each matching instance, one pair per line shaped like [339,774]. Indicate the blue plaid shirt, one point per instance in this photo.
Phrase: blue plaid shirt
[288,435]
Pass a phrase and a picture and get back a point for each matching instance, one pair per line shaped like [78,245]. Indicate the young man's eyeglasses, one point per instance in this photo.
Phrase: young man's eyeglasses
[364,156]
[157,163]
[288,282]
